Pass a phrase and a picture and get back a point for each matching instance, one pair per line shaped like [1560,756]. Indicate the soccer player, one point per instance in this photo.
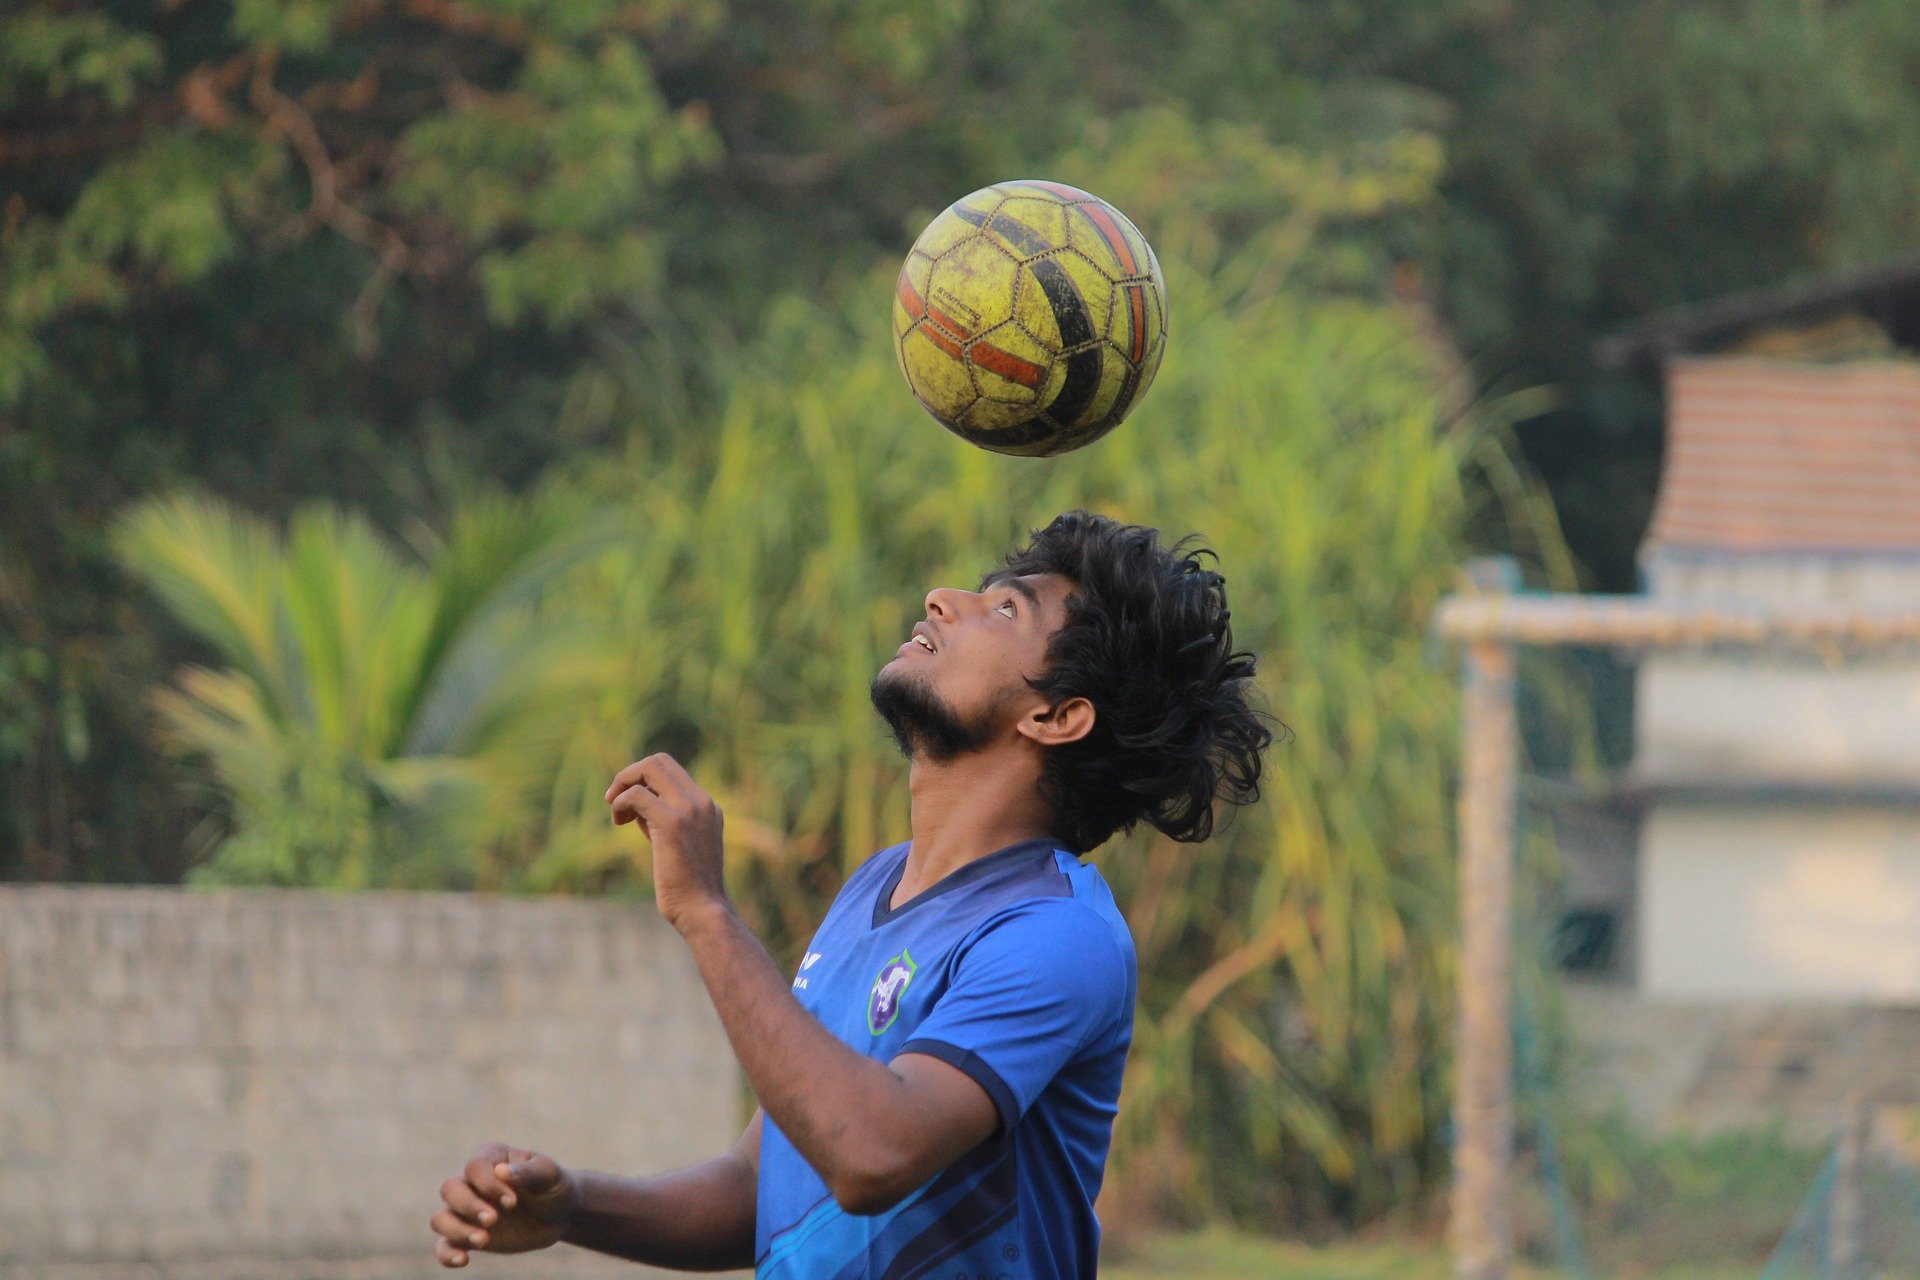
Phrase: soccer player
[938,1081]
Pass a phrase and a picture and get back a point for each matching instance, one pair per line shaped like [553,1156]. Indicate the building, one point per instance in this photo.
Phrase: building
[1762,886]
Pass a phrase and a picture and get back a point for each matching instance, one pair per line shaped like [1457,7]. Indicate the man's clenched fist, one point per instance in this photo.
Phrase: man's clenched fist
[505,1201]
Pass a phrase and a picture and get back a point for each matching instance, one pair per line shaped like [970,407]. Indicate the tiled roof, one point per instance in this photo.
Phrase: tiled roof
[1767,455]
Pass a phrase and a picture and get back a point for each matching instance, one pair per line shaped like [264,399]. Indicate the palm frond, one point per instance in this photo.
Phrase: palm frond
[215,570]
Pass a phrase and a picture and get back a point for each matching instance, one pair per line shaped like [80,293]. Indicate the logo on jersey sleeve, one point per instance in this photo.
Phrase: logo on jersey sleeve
[883,1002]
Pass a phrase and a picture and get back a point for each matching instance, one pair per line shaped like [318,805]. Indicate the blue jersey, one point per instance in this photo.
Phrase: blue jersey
[1018,970]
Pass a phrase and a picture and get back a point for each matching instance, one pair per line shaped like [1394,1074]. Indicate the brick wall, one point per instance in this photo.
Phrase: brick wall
[254,1084]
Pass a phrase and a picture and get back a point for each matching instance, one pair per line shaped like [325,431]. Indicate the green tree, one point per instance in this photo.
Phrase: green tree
[378,718]
[299,249]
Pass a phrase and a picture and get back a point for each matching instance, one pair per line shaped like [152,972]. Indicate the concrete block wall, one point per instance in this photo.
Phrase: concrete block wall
[274,1083]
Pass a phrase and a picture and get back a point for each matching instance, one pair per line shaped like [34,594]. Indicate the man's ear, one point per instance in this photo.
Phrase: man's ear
[1068,720]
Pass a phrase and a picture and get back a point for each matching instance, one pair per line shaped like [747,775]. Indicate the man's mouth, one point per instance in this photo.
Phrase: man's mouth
[922,637]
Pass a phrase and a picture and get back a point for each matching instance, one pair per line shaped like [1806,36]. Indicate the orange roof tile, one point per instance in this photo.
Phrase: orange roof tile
[1766,455]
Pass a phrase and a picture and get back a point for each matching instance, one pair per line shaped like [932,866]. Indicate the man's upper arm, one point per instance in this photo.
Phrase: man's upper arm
[951,1111]
[747,1147]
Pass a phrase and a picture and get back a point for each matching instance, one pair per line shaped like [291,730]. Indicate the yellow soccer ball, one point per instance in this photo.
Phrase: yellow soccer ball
[1030,317]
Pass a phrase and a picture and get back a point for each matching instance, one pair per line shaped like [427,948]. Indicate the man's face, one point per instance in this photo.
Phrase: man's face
[960,680]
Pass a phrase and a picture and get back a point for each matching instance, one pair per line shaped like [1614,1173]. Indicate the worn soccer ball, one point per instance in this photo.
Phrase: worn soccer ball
[1030,317]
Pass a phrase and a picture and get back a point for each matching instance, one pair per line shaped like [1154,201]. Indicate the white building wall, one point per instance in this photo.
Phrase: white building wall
[1804,579]
[1744,897]
[1742,902]
[1784,720]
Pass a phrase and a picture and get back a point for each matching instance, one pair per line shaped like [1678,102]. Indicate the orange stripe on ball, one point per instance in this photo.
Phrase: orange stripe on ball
[910,297]
[1110,232]
[1007,365]
[947,322]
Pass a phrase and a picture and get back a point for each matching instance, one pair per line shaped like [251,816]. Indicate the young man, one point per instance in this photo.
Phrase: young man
[937,1084]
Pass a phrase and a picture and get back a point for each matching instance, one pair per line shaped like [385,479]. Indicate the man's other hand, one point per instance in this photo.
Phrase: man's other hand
[684,824]
[505,1201]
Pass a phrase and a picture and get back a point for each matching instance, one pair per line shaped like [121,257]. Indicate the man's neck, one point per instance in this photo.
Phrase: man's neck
[967,808]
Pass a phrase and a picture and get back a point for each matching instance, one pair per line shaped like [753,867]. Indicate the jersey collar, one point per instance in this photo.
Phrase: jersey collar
[971,873]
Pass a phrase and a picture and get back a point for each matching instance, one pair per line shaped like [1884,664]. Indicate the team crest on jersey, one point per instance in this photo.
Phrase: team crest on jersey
[883,1002]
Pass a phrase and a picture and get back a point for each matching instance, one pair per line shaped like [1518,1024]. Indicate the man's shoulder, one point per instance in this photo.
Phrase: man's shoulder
[1065,959]
[1092,900]
[1082,926]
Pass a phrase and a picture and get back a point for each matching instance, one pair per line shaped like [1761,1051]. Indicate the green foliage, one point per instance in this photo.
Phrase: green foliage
[555,175]
[300,26]
[1224,197]
[57,54]
[165,204]
[1690,1203]
[1610,159]
[1226,1255]
[374,720]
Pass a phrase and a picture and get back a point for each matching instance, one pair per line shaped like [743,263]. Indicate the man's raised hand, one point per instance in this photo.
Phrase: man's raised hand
[505,1201]
[683,823]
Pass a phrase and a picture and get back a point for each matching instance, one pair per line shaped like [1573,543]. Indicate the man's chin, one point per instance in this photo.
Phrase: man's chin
[923,725]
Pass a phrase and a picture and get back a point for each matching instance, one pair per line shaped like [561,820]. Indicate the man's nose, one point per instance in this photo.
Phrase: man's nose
[946,603]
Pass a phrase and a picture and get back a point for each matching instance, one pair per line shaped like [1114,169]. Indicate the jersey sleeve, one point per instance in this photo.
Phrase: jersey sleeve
[1030,993]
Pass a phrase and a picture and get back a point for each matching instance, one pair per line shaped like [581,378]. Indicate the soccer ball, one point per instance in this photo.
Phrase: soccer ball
[1030,317]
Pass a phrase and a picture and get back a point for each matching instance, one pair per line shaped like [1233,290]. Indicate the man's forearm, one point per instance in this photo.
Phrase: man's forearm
[873,1131]
[696,1219]
[830,1101]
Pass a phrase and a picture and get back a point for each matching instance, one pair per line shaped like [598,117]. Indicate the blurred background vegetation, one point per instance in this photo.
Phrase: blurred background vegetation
[411,410]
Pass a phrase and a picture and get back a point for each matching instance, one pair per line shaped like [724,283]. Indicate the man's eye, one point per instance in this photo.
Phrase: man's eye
[1006,607]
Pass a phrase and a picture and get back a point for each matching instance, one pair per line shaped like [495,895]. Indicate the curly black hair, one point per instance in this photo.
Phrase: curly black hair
[1147,642]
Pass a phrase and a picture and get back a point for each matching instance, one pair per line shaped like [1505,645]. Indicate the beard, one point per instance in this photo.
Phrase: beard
[927,726]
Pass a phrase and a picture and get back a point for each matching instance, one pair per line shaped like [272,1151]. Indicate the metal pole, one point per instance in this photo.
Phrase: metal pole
[1490,622]
[1481,1207]
[1639,622]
